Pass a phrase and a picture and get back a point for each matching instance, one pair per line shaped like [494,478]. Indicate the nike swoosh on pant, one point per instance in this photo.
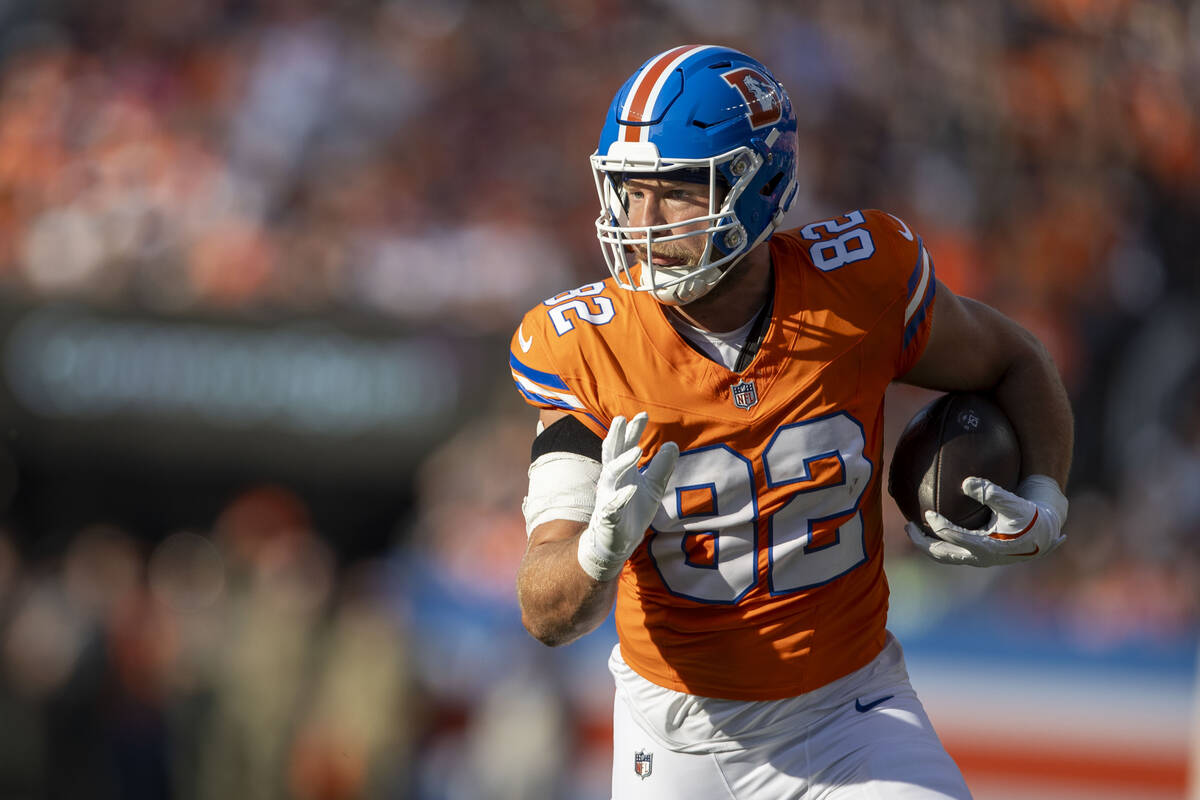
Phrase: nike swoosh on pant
[858,704]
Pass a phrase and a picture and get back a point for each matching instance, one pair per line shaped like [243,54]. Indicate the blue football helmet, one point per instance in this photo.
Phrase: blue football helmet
[696,112]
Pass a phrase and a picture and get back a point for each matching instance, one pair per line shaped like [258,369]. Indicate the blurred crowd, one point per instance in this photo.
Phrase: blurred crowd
[425,164]
[235,662]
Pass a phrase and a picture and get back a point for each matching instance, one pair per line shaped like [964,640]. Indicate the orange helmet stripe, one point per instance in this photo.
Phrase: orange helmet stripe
[646,87]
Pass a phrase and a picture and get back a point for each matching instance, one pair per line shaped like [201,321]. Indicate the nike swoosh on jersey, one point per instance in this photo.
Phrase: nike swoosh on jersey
[525,343]
[904,230]
[858,704]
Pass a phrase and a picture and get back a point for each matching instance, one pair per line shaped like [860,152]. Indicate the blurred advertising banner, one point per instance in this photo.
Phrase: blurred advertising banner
[293,396]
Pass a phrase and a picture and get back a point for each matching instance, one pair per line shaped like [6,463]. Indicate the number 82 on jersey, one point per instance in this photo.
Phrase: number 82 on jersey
[705,543]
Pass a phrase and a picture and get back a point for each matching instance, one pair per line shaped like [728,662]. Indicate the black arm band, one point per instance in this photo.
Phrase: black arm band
[567,435]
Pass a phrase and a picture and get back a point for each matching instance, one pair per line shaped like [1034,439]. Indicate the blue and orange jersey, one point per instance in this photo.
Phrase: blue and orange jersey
[761,576]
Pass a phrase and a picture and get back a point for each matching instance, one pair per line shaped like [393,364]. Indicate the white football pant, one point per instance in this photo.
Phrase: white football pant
[862,737]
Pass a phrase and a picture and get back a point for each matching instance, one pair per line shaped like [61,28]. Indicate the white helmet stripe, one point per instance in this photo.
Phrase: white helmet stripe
[646,87]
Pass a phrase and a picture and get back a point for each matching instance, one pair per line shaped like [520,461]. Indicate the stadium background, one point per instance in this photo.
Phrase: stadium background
[261,463]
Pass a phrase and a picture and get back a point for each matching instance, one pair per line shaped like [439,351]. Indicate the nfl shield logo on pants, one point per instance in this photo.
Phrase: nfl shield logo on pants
[744,394]
[643,763]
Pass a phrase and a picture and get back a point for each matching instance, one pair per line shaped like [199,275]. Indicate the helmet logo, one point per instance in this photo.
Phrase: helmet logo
[759,92]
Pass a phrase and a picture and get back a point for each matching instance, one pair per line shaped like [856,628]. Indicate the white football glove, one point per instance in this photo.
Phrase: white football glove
[626,499]
[1024,526]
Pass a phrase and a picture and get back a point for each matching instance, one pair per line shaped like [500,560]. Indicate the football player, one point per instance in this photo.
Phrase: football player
[709,452]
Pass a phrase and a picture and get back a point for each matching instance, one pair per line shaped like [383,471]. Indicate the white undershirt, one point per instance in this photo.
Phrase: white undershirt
[724,347]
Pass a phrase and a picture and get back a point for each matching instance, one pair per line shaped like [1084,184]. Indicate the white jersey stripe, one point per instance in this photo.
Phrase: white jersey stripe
[529,385]
[914,302]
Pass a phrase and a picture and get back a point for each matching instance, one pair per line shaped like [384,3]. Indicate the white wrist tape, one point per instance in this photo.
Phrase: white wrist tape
[561,486]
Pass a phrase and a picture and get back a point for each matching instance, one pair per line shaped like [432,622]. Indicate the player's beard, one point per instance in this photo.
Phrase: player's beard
[679,293]
[688,259]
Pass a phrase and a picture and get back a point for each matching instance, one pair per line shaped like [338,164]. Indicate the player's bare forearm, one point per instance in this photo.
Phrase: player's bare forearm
[973,347]
[559,601]
[1031,392]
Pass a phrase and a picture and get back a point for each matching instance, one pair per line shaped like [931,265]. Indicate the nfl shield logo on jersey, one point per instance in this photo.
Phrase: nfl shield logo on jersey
[643,763]
[744,394]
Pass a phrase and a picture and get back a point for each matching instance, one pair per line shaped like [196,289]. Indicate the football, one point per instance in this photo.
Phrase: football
[958,435]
